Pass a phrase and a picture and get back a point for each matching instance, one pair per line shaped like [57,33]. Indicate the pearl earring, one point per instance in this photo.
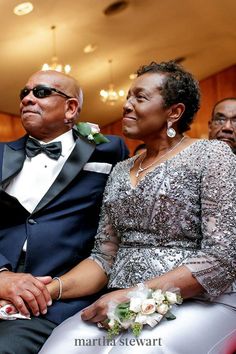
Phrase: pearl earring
[171,133]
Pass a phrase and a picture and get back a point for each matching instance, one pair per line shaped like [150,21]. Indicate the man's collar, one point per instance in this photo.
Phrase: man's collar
[67,141]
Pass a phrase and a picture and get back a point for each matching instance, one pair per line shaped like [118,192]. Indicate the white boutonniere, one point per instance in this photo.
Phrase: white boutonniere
[146,306]
[91,131]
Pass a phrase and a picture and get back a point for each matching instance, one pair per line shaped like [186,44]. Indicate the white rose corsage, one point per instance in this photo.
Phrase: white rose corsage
[91,131]
[146,306]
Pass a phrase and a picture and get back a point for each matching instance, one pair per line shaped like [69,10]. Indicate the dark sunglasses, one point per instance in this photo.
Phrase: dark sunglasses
[41,91]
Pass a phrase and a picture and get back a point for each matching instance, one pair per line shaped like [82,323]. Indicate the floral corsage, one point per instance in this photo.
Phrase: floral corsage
[91,132]
[146,306]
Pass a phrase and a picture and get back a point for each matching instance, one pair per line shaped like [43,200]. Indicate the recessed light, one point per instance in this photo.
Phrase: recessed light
[23,9]
[90,48]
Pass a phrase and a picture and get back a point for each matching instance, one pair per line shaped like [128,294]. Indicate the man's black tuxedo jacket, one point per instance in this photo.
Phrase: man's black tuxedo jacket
[61,229]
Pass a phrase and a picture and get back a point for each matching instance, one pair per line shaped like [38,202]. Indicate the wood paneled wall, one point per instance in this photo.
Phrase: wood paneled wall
[214,88]
[10,127]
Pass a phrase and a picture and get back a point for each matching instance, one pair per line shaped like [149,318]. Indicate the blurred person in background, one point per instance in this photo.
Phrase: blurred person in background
[222,125]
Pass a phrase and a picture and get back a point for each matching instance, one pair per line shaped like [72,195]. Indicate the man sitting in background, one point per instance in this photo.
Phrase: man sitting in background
[222,125]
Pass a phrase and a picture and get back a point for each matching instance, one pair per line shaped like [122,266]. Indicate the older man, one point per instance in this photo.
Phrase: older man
[51,186]
[222,125]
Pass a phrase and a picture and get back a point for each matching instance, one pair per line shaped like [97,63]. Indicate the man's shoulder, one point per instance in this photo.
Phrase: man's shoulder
[115,149]
[115,139]
[15,142]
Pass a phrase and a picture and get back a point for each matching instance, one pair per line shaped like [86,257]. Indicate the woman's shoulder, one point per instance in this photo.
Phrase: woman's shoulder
[214,156]
[211,148]
[207,155]
[219,148]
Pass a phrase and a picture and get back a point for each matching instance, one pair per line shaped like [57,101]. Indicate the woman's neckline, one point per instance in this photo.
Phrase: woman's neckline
[192,142]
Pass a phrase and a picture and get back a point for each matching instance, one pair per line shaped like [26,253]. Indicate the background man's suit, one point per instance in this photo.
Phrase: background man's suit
[61,229]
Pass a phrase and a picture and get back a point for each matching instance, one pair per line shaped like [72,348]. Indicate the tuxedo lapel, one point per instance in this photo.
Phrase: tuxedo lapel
[74,164]
[13,159]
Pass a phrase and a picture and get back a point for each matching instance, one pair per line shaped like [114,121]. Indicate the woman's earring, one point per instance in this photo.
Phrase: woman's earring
[171,133]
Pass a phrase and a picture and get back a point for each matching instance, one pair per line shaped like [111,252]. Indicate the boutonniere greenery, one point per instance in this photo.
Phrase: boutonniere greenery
[91,132]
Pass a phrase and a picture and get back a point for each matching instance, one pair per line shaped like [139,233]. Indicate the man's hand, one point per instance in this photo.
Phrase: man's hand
[97,312]
[26,292]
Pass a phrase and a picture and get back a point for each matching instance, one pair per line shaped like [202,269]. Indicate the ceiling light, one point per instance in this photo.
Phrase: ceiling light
[55,65]
[23,9]
[90,48]
[111,96]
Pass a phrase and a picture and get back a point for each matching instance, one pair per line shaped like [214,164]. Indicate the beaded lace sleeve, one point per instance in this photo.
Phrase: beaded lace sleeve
[214,264]
[107,239]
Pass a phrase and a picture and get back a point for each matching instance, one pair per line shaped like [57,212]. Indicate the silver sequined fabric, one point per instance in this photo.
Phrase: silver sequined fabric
[180,213]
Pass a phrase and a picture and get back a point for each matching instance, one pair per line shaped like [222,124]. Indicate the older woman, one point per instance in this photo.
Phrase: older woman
[168,220]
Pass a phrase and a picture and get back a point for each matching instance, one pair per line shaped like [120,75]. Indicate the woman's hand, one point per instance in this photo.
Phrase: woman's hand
[97,312]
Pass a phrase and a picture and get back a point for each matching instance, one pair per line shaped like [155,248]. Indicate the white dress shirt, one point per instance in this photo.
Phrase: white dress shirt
[38,174]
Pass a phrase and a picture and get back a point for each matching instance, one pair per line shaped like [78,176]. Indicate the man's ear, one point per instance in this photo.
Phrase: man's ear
[72,109]
[175,112]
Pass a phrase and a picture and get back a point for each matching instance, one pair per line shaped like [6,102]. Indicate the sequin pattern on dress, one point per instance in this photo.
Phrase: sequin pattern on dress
[181,213]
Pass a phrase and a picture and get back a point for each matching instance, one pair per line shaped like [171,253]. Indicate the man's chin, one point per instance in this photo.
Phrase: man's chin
[31,129]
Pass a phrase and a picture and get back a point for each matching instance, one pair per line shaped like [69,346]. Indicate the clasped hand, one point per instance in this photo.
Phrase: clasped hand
[28,294]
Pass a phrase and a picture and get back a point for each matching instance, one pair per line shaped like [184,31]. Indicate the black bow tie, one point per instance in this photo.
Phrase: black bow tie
[52,150]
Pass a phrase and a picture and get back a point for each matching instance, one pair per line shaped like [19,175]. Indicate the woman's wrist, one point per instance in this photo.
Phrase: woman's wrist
[60,287]
[55,288]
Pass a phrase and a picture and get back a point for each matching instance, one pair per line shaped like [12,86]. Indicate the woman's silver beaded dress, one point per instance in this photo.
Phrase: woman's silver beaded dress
[180,213]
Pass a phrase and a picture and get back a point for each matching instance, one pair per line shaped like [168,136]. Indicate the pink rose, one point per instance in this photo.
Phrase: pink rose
[148,306]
